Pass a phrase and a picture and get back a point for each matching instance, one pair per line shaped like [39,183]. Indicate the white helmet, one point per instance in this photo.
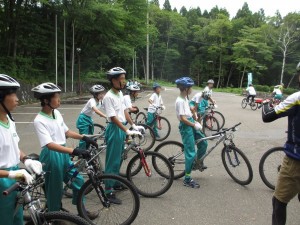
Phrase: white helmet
[210,81]
[45,89]
[206,95]
[133,88]
[7,82]
[96,89]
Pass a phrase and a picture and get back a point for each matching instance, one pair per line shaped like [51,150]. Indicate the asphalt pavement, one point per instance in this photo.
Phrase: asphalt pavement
[219,201]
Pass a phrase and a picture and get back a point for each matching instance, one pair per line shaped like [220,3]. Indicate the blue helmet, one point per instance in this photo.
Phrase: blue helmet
[156,85]
[185,82]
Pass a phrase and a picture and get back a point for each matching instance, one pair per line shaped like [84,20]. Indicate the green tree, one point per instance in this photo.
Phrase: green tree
[167,6]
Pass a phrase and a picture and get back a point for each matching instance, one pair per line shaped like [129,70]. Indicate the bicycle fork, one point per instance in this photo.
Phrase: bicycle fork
[235,161]
[144,163]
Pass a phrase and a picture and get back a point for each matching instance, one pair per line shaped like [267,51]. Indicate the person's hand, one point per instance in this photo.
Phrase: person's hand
[33,166]
[133,132]
[138,128]
[163,107]
[20,175]
[90,141]
[137,110]
[81,152]
[197,126]
[195,117]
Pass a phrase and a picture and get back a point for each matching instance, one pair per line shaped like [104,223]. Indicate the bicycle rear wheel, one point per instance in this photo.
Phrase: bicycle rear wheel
[237,165]
[124,213]
[151,174]
[253,106]
[141,118]
[164,128]
[210,125]
[269,166]
[220,117]
[173,151]
[60,218]
[244,103]
[99,129]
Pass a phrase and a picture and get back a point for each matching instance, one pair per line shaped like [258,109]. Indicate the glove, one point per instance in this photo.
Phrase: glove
[81,152]
[90,141]
[163,107]
[138,128]
[20,175]
[215,106]
[197,126]
[33,166]
[133,132]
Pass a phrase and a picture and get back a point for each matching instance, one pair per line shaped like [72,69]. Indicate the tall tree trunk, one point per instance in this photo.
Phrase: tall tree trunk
[220,63]
[283,65]
[163,64]
[152,63]
[291,80]
[244,70]
[144,67]
[229,75]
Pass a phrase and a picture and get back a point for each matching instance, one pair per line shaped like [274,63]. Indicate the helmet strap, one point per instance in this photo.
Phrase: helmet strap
[6,110]
[49,104]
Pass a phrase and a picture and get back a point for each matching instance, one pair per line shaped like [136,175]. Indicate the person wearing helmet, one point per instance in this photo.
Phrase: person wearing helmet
[195,105]
[155,101]
[288,182]
[52,132]
[277,92]
[133,91]
[115,134]
[190,130]
[251,93]
[11,155]
[85,123]
[207,96]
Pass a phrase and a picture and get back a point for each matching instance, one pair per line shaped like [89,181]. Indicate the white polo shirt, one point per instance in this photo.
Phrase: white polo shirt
[127,101]
[251,90]
[197,98]
[88,108]
[50,130]
[113,105]
[157,101]
[182,108]
[9,145]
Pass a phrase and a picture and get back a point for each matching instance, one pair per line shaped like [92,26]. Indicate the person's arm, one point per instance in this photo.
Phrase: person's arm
[128,118]
[186,121]
[97,111]
[59,148]
[115,120]
[3,173]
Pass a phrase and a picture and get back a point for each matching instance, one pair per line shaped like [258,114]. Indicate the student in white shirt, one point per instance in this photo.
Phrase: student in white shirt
[155,101]
[189,130]
[85,123]
[11,155]
[277,92]
[251,93]
[115,134]
[52,132]
[133,91]
[195,104]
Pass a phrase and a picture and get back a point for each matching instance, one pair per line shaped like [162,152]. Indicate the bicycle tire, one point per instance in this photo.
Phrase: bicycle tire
[210,125]
[232,149]
[170,149]
[106,215]
[141,118]
[253,106]
[99,129]
[163,137]
[222,120]
[50,217]
[162,174]
[263,171]
[244,103]
[148,143]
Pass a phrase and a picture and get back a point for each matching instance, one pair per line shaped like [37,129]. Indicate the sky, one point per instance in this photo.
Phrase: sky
[232,6]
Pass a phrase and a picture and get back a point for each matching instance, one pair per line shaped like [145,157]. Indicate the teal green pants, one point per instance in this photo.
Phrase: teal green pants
[85,125]
[202,106]
[56,165]
[193,104]
[115,138]
[189,135]
[8,203]
[151,121]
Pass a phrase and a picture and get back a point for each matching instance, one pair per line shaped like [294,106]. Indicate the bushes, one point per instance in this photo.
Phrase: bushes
[263,88]
[289,91]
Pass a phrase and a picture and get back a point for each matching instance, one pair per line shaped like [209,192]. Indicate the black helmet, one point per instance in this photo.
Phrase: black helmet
[115,72]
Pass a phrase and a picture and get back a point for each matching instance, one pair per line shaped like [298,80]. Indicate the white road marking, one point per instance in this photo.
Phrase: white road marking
[35,107]
[23,122]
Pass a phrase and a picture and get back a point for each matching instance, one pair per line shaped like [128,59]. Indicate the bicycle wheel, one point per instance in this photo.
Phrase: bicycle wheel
[126,158]
[210,125]
[124,213]
[173,151]
[237,165]
[221,119]
[141,118]
[269,166]
[99,129]
[253,106]
[60,218]
[152,174]
[147,141]
[244,103]
[164,128]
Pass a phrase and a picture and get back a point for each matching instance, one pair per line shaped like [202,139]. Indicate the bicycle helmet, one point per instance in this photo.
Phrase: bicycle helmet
[8,85]
[206,95]
[45,89]
[95,89]
[133,87]
[184,82]
[210,81]
[156,85]
[115,72]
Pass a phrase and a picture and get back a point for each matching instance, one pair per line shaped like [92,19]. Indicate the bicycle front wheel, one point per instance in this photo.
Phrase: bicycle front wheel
[89,201]
[244,103]
[173,151]
[269,166]
[237,165]
[220,117]
[60,218]
[164,128]
[253,106]
[151,174]
[147,140]
[99,129]
[141,118]
[210,125]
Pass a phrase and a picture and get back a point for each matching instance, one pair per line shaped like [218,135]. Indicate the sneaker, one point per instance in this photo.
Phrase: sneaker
[202,167]
[191,183]
[92,215]
[120,188]
[113,199]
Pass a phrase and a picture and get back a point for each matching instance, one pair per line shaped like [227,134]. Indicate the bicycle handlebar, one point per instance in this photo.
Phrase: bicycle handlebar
[11,189]
[228,129]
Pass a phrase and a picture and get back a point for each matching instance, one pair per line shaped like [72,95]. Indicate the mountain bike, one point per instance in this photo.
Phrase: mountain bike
[163,125]
[253,105]
[234,160]
[35,208]
[210,123]
[219,116]
[269,166]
